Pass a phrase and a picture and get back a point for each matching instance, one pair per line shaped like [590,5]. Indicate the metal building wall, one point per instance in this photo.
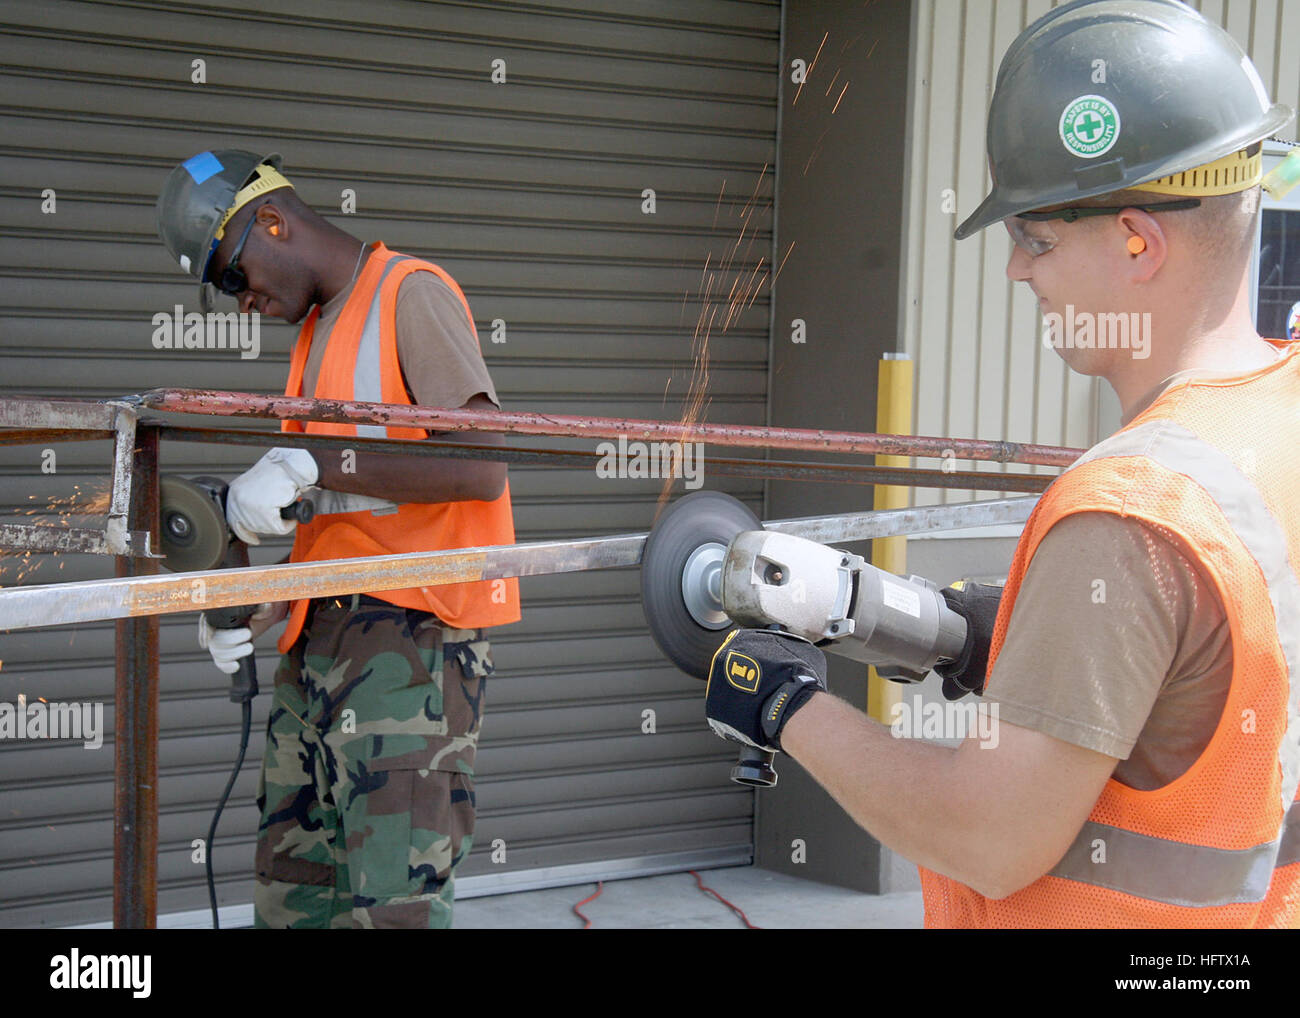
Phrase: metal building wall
[980,369]
[531,193]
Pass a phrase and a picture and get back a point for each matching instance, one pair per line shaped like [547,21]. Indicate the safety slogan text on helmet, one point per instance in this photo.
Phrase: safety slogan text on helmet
[1089,126]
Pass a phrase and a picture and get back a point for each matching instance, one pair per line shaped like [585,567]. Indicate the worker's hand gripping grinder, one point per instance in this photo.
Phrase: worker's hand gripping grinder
[195,537]
[709,565]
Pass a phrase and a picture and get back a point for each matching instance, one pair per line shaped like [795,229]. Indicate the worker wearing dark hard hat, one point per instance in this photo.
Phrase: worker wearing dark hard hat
[366,794]
[1145,654]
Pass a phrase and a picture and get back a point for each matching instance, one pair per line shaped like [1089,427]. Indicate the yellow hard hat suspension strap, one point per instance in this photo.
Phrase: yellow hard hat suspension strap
[268,179]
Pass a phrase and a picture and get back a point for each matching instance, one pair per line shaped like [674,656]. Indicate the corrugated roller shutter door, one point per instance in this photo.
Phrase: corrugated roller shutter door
[530,192]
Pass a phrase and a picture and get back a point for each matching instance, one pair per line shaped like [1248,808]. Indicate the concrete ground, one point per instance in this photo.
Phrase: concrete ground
[673,902]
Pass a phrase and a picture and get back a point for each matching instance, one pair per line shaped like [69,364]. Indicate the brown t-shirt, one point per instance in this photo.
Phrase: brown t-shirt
[436,345]
[1117,643]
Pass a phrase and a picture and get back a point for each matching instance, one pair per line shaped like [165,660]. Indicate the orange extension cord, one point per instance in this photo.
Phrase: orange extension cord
[577,909]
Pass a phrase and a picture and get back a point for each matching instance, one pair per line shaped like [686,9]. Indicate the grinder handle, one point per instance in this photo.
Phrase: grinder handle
[243,684]
[755,768]
[303,510]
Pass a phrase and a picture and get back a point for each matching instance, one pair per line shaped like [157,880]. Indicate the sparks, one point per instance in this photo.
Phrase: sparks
[783,261]
[715,311]
[837,101]
[808,73]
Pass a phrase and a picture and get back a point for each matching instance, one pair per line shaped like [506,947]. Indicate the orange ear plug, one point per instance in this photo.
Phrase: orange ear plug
[274,231]
[1136,245]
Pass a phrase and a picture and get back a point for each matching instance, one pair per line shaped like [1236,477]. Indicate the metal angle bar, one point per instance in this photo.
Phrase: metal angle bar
[119,539]
[902,522]
[34,412]
[46,538]
[839,473]
[245,404]
[95,600]
[42,436]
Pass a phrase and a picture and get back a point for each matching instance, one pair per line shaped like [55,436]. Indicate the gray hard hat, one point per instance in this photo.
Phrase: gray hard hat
[200,196]
[1102,95]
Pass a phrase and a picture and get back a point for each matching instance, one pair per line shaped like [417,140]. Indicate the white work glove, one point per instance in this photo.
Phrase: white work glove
[256,496]
[227,646]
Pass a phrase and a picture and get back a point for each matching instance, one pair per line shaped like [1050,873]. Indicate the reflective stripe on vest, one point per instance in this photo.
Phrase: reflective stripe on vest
[1289,852]
[367,378]
[1166,871]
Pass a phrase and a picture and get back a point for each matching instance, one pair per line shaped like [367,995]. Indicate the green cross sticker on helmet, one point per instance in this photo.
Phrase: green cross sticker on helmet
[1089,126]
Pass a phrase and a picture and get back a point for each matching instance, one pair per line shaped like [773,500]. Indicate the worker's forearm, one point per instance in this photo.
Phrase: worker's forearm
[906,792]
[414,478]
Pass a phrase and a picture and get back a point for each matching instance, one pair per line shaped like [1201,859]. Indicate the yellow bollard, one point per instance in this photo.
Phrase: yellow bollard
[893,417]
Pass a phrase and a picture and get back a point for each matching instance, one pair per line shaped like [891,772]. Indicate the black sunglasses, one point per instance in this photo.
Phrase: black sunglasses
[233,280]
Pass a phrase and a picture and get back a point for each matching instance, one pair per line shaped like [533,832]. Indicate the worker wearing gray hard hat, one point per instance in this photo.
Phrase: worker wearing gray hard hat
[366,794]
[201,196]
[1144,659]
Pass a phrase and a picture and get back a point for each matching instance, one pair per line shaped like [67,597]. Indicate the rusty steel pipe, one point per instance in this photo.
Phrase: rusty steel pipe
[840,473]
[333,411]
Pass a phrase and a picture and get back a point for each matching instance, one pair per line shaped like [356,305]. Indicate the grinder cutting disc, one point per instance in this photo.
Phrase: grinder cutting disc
[192,527]
[681,576]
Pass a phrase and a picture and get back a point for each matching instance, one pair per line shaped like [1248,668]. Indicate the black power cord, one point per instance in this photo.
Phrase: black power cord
[245,727]
[243,688]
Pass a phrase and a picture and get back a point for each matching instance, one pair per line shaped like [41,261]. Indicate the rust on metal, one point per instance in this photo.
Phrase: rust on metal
[333,411]
[42,436]
[92,600]
[841,473]
[135,725]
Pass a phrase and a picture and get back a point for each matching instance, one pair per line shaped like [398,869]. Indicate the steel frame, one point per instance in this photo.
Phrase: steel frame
[66,420]
[145,594]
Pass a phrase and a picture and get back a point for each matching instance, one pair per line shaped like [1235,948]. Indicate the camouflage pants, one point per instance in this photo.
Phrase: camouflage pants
[367,787]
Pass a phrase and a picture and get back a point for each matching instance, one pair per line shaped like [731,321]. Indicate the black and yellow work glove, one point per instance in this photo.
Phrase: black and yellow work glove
[758,679]
[977,603]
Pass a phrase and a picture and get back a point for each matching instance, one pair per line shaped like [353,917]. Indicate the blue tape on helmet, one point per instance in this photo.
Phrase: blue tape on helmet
[202,166]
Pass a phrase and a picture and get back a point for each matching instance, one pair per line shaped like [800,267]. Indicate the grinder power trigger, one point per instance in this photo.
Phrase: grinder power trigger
[709,565]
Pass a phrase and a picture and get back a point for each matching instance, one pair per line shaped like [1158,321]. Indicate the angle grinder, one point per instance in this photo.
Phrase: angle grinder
[194,537]
[708,565]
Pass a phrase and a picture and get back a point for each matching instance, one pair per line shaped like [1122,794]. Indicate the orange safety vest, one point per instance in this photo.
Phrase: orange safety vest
[1214,462]
[361,363]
